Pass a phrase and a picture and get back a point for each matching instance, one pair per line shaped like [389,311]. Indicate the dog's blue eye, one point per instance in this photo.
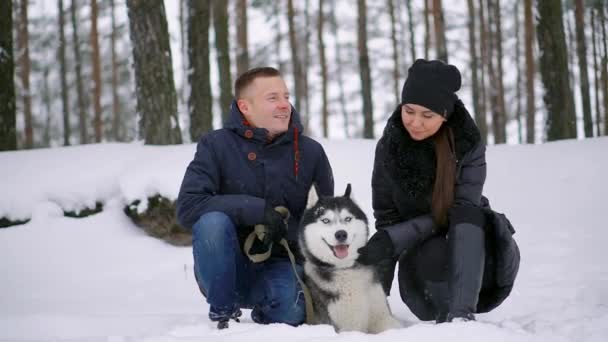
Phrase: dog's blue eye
[325,220]
[348,219]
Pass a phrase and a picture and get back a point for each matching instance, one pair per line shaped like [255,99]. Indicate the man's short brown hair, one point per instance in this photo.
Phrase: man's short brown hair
[246,78]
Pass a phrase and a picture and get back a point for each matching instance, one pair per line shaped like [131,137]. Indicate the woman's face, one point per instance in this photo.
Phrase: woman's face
[419,121]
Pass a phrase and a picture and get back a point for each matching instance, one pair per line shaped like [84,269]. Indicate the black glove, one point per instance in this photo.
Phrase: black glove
[378,248]
[276,227]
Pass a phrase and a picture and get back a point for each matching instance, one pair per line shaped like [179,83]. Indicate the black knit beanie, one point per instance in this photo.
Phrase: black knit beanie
[432,84]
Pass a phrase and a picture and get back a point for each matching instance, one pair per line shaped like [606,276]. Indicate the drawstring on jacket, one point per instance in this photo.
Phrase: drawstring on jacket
[296,152]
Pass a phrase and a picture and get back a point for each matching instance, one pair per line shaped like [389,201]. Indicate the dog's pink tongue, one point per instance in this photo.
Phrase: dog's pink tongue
[341,251]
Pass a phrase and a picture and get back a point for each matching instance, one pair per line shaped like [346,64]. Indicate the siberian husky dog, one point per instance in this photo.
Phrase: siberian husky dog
[345,294]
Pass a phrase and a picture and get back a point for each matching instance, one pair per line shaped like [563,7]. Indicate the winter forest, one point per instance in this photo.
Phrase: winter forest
[77,72]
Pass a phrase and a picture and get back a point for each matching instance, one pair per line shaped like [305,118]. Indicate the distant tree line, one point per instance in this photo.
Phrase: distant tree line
[90,75]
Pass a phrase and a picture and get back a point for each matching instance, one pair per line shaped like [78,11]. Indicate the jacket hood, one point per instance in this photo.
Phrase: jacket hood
[237,123]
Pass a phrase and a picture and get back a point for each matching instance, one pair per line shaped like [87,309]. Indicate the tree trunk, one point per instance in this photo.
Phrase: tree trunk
[561,120]
[604,64]
[8,114]
[365,73]
[530,72]
[339,72]
[480,118]
[500,130]
[155,88]
[116,118]
[323,62]
[305,109]
[427,29]
[579,13]
[46,100]
[65,102]
[520,138]
[411,28]
[276,6]
[200,103]
[439,24]
[493,85]
[82,108]
[596,71]
[184,88]
[295,59]
[222,47]
[396,66]
[98,123]
[25,66]
[483,52]
[242,56]
[569,43]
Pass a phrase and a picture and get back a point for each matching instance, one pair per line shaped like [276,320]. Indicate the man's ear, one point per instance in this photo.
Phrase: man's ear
[243,105]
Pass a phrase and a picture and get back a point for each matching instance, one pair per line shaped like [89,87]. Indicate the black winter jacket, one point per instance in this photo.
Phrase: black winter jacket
[236,171]
[402,183]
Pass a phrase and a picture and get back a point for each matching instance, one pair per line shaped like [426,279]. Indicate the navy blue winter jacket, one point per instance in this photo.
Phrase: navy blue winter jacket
[237,171]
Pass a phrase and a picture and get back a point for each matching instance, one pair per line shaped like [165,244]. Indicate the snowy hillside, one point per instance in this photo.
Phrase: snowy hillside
[100,278]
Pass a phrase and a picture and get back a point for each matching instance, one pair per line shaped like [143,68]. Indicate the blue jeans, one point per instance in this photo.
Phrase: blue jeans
[230,281]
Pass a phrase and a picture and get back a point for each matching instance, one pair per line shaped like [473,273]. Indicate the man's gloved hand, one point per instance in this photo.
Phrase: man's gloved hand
[276,226]
[378,248]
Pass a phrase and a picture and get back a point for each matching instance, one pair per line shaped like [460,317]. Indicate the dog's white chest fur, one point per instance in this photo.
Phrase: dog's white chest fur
[361,303]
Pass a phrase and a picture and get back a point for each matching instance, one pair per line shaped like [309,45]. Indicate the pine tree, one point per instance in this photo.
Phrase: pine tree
[8,115]
[155,88]
[561,119]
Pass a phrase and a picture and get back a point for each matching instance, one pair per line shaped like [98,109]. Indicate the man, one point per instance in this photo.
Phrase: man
[258,161]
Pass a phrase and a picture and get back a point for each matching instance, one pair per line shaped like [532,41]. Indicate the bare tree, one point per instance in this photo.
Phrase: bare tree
[427,29]
[65,101]
[297,65]
[530,71]
[98,123]
[604,63]
[305,107]
[518,77]
[339,72]
[200,102]
[8,114]
[500,112]
[222,47]
[561,119]
[80,94]
[480,118]
[579,13]
[323,62]
[410,19]
[242,55]
[483,52]
[116,117]
[439,25]
[396,65]
[596,71]
[155,88]
[25,67]
[365,73]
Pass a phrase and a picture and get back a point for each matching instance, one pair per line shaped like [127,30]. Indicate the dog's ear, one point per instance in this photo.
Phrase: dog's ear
[347,191]
[313,196]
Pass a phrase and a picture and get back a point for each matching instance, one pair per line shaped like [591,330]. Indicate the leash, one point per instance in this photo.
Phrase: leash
[259,232]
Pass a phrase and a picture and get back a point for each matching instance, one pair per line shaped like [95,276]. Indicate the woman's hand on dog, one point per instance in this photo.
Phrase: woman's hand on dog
[378,248]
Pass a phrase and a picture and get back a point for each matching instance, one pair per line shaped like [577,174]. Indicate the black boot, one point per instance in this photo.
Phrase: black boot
[466,253]
[439,295]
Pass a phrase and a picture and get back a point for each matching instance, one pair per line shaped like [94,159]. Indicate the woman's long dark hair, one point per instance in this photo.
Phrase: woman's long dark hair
[445,175]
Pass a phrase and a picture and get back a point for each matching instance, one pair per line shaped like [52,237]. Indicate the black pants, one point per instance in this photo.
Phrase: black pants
[423,277]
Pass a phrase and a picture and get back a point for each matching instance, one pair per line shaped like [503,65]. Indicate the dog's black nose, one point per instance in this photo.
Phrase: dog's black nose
[341,235]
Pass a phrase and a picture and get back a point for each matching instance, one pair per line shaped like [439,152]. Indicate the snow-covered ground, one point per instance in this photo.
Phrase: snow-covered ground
[100,278]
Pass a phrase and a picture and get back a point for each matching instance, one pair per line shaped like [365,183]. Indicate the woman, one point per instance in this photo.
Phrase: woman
[456,256]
